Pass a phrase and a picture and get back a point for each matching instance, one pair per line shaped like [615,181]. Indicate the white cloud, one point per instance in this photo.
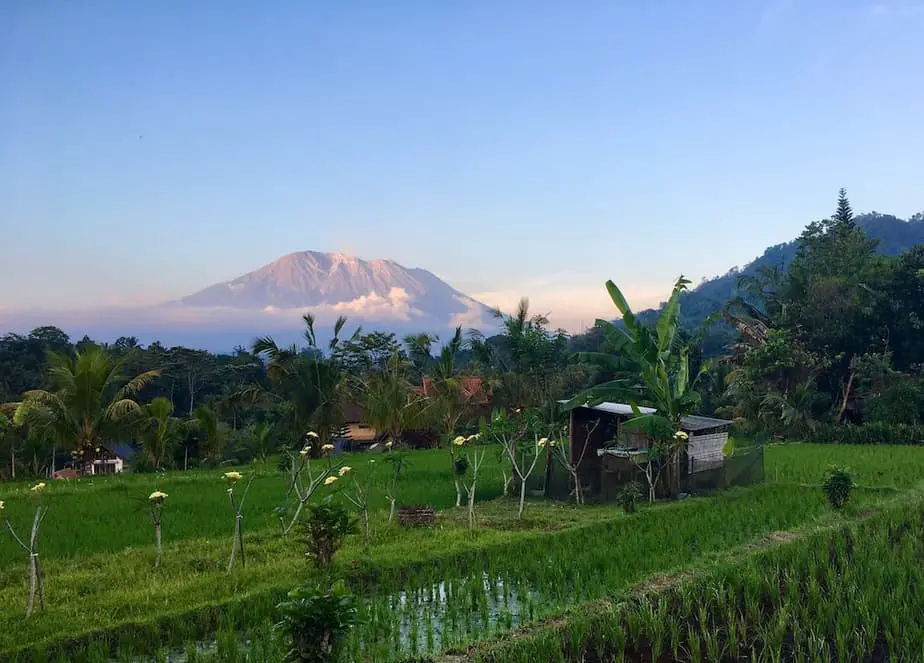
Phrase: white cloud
[472,317]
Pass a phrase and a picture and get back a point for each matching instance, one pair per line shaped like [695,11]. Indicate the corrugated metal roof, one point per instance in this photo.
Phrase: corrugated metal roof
[694,423]
[690,423]
[618,408]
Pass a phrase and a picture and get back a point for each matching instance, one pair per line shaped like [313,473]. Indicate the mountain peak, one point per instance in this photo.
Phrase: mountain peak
[339,283]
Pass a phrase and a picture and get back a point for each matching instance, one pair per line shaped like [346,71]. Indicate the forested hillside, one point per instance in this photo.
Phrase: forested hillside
[893,236]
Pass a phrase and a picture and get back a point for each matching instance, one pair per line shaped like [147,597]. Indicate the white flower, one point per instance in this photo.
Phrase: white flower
[680,435]
[305,451]
[2,505]
[311,433]
[552,443]
[472,437]
[232,477]
[157,496]
[327,448]
[459,441]
[346,469]
[329,480]
[542,442]
[37,487]
[388,444]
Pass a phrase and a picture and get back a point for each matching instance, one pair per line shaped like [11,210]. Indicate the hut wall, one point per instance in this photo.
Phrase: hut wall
[596,430]
[706,450]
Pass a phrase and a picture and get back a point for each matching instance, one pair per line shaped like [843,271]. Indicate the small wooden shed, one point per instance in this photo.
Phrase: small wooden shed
[603,469]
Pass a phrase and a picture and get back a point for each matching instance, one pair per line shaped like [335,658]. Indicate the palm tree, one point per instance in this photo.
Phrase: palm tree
[314,383]
[212,431]
[263,435]
[795,410]
[390,404]
[90,402]
[420,350]
[447,404]
[661,377]
[160,432]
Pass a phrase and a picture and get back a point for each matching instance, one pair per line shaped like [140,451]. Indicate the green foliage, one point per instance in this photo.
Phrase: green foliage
[390,404]
[160,432]
[326,525]
[315,384]
[826,339]
[629,497]
[902,402]
[141,464]
[837,486]
[869,433]
[527,362]
[316,622]
[89,403]
[460,465]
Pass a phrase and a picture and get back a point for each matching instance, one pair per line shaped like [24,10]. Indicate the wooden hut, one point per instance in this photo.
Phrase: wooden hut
[606,466]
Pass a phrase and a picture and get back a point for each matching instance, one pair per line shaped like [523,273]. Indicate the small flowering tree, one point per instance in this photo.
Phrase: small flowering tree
[156,501]
[459,465]
[305,479]
[359,497]
[523,456]
[36,586]
[664,447]
[474,460]
[237,542]
[562,454]
[398,461]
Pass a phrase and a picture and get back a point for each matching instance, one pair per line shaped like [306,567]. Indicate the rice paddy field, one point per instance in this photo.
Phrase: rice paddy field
[749,574]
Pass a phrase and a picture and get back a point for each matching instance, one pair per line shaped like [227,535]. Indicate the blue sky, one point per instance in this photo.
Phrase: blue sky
[148,149]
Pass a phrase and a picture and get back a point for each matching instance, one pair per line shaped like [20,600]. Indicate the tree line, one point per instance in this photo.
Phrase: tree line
[830,339]
[184,406]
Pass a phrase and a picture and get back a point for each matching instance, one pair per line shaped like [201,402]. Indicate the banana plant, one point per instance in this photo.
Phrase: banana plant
[657,362]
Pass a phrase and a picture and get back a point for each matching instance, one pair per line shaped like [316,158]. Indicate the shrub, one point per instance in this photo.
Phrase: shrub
[629,497]
[837,486]
[141,464]
[326,526]
[315,622]
[901,403]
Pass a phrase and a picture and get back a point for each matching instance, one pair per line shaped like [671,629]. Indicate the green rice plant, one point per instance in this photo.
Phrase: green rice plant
[468,585]
[876,466]
[869,609]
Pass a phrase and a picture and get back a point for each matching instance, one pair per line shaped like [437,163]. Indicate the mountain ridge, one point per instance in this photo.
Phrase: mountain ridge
[895,236]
